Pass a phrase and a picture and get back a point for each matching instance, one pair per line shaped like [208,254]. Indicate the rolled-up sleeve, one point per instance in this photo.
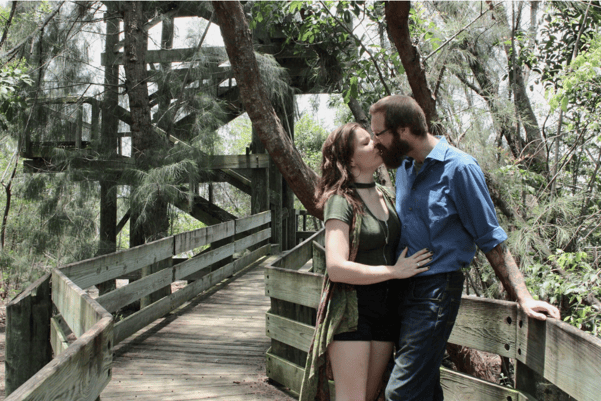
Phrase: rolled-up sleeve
[475,207]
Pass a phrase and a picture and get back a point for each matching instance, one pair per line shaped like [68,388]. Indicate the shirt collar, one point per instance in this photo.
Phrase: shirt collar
[437,153]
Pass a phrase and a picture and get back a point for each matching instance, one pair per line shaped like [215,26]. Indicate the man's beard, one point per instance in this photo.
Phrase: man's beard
[394,155]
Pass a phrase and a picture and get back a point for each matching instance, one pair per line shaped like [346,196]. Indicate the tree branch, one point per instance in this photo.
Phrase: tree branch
[362,46]
[8,23]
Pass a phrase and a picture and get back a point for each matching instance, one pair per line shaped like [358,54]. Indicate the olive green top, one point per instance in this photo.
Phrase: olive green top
[379,238]
[337,312]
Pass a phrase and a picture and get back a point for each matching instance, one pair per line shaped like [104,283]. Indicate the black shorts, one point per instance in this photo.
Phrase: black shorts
[377,317]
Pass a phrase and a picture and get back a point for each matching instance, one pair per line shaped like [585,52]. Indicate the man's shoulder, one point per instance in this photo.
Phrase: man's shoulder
[459,158]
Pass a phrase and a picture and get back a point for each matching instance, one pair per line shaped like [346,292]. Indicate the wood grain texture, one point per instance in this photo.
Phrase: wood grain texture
[212,348]
[194,239]
[80,373]
[301,288]
[487,325]
[300,254]
[107,267]
[27,333]
[573,360]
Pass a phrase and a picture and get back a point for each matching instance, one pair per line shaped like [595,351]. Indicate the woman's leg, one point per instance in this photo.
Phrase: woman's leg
[379,355]
[350,363]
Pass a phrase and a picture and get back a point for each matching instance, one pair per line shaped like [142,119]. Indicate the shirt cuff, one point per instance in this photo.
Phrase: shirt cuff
[492,239]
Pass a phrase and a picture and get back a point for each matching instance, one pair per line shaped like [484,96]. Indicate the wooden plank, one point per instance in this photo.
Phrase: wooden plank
[251,161]
[531,337]
[461,387]
[107,267]
[252,257]
[144,317]
[254,221]
[202,261]
[77,308]
[487,325]
[288,331]
[319,259]
[58,335]
[297,287]
[214,53]
[78,374]
[252,239]
[125,295]
[573,360]
[27,333]
[284,372]
[300,254]
[194,239]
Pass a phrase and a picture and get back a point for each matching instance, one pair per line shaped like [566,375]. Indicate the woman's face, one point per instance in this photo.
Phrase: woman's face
[366,156]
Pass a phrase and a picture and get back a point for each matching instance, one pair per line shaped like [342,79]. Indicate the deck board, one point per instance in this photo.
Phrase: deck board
[210,349]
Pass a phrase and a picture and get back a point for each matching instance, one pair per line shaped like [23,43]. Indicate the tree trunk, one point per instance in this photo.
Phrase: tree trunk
[238,43]
[397,18]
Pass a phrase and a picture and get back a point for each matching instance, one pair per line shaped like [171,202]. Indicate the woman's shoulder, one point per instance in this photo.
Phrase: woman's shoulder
[337,207]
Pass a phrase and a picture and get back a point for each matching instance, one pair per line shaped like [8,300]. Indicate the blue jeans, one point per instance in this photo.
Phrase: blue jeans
[427,310]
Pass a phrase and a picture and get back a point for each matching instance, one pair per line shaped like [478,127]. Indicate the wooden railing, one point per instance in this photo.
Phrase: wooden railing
[567,357]
[81,368]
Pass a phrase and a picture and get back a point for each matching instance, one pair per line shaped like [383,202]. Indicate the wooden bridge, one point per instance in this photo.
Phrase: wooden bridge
[245,315]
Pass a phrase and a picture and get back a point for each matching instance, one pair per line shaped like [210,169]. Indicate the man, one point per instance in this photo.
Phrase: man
[444,205]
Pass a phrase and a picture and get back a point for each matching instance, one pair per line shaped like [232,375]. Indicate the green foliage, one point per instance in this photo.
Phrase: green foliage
[572,288]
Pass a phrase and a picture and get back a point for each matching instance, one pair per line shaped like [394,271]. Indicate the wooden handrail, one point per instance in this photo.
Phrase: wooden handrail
[82,369]
[567,357]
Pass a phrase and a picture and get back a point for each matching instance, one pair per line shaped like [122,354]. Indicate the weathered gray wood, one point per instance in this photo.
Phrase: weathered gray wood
[80,373]
[203,261]
[288,331]
[216,54]
[254,221]
[77,308]
[300,254]
[297,287]
[160,292]
[255,161]
[284,372]
[461,387]
[28,346]
[194,239]
[252,239]
[125,295]
[144,317]
[59,332]
[107,267]
[487,325]
[573,360]
[319,259]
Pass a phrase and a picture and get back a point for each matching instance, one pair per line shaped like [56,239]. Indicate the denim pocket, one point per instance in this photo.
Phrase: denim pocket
[429,288]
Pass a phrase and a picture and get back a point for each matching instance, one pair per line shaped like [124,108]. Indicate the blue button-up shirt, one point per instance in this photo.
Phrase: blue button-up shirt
[446,208]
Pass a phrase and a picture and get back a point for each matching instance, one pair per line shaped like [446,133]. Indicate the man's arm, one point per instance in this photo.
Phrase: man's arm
[512,279]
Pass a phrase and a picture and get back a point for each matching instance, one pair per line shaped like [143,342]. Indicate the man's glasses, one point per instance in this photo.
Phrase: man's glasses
[377,134]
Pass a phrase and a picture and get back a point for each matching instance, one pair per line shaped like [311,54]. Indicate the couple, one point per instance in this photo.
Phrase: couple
[394,268]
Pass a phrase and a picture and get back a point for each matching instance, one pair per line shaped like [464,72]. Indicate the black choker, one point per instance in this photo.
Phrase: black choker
[360,185]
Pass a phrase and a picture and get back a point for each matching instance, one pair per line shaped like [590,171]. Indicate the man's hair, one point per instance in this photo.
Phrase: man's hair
[401,112]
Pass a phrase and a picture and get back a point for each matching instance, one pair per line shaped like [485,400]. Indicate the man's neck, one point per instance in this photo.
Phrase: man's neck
[422,147]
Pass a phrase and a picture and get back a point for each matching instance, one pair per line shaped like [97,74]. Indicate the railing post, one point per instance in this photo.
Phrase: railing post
[28,346]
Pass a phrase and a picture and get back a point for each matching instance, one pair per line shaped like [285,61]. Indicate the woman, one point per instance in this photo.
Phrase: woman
[355,323]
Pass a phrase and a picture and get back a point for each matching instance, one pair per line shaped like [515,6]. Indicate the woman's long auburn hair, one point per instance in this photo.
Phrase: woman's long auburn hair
[336,176]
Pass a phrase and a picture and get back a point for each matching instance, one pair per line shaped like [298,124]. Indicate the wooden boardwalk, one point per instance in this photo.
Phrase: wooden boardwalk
[210,349]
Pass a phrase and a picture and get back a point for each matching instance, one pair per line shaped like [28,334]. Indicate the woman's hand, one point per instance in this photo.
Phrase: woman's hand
[415,264]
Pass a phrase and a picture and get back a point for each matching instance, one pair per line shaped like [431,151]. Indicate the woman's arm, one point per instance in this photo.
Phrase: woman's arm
[341,269]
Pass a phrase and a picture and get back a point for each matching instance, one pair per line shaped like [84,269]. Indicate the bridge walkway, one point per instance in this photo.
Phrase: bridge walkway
[212,348]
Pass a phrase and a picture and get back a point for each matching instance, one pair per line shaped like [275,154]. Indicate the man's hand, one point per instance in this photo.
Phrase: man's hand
[532,308]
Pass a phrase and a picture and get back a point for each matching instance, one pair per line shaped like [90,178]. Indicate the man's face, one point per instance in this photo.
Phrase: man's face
[392,147]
